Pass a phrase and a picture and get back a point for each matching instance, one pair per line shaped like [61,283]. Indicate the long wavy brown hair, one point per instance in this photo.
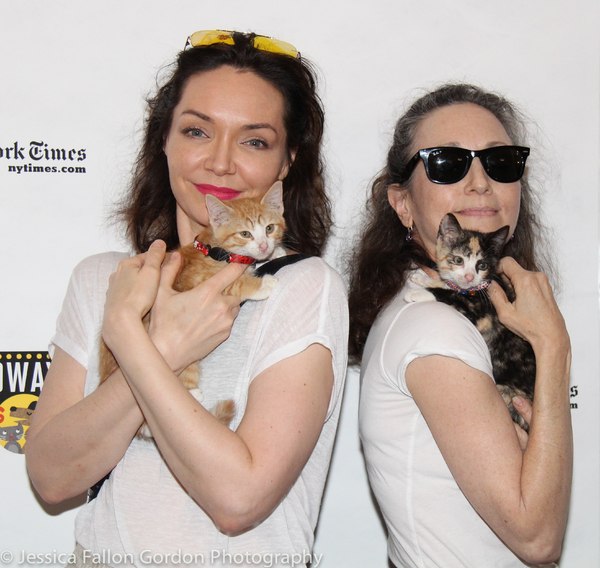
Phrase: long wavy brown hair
[383,258]
[149,208]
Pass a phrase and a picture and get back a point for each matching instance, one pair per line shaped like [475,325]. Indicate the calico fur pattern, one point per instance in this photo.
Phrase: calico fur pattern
[249,227]
[467,259]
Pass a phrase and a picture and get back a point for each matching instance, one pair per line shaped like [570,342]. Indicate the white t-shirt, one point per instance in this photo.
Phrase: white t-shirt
[142,510]
[430,522]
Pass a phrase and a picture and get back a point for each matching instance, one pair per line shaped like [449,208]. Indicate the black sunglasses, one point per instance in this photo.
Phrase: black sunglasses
[448,164]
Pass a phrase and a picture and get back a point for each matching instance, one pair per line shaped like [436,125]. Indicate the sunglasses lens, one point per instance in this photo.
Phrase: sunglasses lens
[447,165]
[209,37]
[504,164]
[275,46]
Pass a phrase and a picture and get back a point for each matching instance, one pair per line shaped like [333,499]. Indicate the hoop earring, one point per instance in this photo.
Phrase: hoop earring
[409,234]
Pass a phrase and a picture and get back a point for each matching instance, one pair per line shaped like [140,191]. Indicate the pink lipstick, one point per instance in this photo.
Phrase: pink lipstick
[223,193]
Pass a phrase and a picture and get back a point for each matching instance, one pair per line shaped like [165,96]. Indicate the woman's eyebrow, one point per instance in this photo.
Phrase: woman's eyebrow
[199,115]
[259,126]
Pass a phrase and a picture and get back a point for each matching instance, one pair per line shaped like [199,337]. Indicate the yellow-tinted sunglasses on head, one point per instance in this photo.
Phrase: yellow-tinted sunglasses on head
[264,43]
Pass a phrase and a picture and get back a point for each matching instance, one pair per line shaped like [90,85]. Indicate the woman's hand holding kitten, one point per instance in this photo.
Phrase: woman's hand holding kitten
[131,293]
[534,315]
[187,326]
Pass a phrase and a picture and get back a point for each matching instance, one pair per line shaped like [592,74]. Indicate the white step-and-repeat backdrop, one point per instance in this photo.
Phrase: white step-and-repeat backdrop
[73,76]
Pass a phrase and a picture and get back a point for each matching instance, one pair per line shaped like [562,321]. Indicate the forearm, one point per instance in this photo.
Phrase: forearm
[522,497]
[212,462]
[530,516]
[74,449]
[539,494]
[548,458]
[238,477]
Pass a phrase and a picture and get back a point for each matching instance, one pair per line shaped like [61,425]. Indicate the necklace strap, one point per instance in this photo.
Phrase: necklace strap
[471,291]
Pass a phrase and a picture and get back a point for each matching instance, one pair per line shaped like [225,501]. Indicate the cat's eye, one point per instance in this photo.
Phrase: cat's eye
[269,229]
[482,265]
[246,234]
[458,260]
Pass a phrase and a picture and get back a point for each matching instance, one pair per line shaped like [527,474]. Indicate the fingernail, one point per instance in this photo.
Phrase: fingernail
[517,401]
[157,243]
[175,255]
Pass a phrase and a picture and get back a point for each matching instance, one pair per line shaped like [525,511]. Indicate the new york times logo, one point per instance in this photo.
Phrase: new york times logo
[46,159]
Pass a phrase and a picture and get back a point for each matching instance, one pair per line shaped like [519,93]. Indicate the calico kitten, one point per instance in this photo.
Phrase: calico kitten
[466,262]
[242,230]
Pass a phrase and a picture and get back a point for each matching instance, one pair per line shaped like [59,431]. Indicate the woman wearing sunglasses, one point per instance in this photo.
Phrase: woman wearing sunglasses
[238,113]
[459,485]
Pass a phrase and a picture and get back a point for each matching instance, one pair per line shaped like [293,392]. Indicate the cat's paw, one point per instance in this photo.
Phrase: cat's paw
[268,283]
[418,295]
[422,280]
[197,394]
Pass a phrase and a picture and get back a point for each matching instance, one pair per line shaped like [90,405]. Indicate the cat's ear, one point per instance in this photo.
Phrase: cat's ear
[450,229]
[273,199]
[498,239]
[218,212]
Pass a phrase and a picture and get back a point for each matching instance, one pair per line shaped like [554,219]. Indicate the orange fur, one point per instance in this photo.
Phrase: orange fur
[230,222]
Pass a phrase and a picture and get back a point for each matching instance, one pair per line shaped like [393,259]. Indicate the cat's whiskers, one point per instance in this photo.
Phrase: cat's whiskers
[486,297]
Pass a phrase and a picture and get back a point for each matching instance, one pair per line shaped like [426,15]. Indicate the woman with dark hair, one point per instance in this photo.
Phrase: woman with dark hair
[238,113]
[458,484]
[149,206]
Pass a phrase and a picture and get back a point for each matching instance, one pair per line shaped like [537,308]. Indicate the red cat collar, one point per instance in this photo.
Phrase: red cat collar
[472,291]
[220,254]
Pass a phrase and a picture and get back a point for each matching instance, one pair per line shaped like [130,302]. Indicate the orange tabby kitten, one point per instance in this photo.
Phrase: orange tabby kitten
[242,230]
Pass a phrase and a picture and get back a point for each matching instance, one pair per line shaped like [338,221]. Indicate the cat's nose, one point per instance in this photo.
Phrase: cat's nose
[469,278]
[263,246]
